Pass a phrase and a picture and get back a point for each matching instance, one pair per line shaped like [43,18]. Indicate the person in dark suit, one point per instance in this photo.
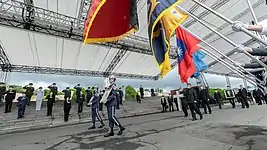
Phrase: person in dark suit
[78,89]
[218,98]
[257,94]
[183,101]
[80,101]
[170,102]
[22,101]
[95,109]
[10,96]
[67,103]
[89,94]
[163,103]
[243,97]
[50,103]
[204,97]
[29,92]
[111,106]
[229,94]
[141,89]
[191,98]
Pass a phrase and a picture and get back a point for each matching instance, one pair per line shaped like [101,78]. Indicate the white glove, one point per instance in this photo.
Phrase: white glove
[241,48]
[238,25]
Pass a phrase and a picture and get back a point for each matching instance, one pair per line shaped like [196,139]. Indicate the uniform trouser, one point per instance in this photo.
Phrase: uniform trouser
[164,108]
[184,107]
[49,109]
[258,100]
[8,105]
[80,107]
[206,105]
[21,110]
[38,104]
[67,107]
[95,114]
[29,100]
[88,99]
[265,98]
[232,101]
[171,107]
[176,104]
[219,103]
[142,95]
[111,117]
[244,102]
[194,110]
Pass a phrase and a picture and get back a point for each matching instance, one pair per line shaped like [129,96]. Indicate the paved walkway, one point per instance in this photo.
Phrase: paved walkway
[226,129]
[34,120]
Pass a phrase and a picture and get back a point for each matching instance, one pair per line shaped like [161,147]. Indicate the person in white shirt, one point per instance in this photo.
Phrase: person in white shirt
[124,93]
[39,98]
[261,27]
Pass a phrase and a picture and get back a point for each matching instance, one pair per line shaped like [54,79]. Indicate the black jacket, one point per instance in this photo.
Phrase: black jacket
[53,89]
[163,101]
[203,95]
[29,91]
[67,93]
[191,95]
[243,93]
[217,96]
[10,95]
[89,94]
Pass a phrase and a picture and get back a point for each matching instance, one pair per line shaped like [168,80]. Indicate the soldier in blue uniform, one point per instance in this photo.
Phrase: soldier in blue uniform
[22,101]
[94,102]
[111,106]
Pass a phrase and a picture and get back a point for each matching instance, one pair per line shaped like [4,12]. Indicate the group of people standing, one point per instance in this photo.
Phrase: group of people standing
[111,97]
[195,98]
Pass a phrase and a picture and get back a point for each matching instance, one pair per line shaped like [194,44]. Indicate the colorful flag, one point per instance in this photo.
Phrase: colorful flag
[110,20]
[187,45]
[163,19]
[199,63]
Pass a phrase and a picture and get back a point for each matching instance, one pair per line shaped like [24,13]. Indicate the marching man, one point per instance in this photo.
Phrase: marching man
[111,103]
[94,102]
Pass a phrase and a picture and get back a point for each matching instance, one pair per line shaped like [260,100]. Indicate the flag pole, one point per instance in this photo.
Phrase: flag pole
[230,22]
[222,36]
[215,57]
[215,49]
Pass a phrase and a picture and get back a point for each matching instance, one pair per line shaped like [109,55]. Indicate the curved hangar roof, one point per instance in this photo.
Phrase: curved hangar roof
[58,51]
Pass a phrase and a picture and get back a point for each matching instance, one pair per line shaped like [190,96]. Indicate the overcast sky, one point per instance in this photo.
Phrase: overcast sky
[171,81]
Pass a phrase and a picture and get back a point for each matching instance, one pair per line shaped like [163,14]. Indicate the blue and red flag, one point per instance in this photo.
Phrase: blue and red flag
[187,45]
[163,19]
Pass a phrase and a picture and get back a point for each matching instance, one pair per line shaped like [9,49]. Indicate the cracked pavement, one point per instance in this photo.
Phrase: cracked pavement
[226,129]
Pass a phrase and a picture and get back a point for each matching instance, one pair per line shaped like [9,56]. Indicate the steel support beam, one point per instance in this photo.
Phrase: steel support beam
[215,6]
[247,43]
[72,72]
[5,63]
[115,61]
[55,24]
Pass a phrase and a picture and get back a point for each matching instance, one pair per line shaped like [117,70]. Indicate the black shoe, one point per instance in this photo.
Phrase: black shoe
[109,134]
[121,131]
[194,119]
[101,126]
[209,112]
[201,117]
[92,127]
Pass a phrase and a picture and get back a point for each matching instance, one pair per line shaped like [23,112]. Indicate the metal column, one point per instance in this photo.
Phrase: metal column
[228,83]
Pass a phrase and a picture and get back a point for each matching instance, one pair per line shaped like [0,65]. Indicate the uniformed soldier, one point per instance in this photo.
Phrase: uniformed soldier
[10,96]
[29,92]
[94,102]
[80,101]
[111,106]
[191,98]
[78,89]
[88,94]
[39,98]
[67,103]
[22,101]
[50,102]
[2,92]
[53,89]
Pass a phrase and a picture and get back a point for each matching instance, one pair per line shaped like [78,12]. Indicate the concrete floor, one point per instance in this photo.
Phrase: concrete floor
[226,129]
